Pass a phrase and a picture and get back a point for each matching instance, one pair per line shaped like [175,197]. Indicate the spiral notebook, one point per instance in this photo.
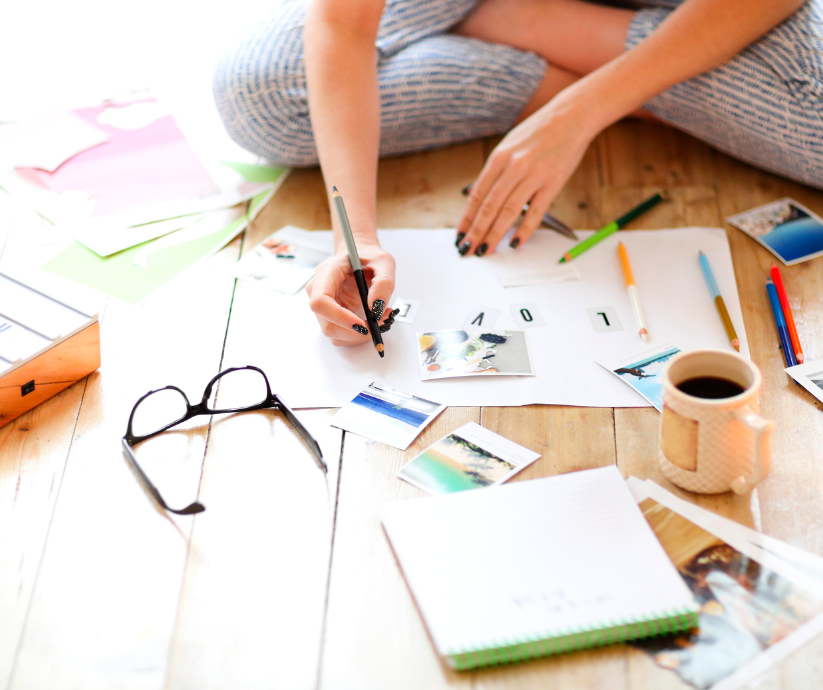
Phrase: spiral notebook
[536,568]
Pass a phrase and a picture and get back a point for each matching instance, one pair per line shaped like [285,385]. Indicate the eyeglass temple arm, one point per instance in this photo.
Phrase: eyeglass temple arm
[304,433]
[145,482]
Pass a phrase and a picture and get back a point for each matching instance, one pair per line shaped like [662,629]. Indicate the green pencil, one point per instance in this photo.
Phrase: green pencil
[614,226]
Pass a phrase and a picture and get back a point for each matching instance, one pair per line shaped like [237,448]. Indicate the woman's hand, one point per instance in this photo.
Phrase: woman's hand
[531,164]
[336,302]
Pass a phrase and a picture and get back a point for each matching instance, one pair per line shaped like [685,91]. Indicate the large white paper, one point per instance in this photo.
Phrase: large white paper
[311,372]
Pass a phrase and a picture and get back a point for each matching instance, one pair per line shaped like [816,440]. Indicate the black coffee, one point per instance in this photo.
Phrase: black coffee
[712,387]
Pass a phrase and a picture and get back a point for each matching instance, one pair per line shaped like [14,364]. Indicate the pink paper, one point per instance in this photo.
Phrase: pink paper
[137,167]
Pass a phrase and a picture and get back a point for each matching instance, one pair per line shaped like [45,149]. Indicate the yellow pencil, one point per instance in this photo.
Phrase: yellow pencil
[634,296]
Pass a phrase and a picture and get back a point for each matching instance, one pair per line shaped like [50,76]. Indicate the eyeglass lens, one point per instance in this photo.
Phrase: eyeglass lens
[238,389]
[157,411]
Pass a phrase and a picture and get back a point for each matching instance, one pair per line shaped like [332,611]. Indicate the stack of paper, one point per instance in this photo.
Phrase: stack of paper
[121,177]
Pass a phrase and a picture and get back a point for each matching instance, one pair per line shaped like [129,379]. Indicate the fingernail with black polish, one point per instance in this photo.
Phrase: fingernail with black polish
[395,312]
[465,191]
[464,248]
[515,243]
[377,308]
[385,327]
[482,249]
[362,330]
[460,236]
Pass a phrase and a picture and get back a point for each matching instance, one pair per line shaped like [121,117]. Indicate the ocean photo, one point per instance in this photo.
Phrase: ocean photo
[455,464]
[644,375]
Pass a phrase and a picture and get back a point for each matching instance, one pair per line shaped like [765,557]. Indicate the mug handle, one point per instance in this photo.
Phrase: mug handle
[762,445]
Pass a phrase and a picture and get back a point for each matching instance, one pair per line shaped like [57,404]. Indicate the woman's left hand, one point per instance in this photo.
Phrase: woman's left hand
[531,164]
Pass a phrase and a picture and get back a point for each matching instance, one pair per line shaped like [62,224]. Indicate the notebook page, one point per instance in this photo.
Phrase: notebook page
[532,560]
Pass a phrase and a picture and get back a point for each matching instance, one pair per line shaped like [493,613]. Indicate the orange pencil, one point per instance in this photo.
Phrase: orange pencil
[634,296]
[777,279]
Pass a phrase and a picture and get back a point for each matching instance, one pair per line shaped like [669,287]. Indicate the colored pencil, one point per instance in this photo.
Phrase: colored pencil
[718,302]
[614,226]
[787,313]
[634,296]
[359,278]
[785,341]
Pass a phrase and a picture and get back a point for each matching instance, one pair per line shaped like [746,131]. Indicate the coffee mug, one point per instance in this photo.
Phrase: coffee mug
[711,437]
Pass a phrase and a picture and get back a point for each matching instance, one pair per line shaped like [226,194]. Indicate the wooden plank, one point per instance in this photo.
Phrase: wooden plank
[33,452]
[375,637]
[104,604]
[253,600]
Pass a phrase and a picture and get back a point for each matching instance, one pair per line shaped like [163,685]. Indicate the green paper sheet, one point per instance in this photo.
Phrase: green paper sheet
[256,173]
[118,277]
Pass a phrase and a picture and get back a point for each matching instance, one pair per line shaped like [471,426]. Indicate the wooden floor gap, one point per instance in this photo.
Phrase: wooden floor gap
[331,563]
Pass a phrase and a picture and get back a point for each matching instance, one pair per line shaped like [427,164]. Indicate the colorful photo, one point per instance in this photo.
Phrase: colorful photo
[445,354]
[745,607]
[469,458]
[786,228]
[387,415]
[642,371]
[279,264]
[810,376]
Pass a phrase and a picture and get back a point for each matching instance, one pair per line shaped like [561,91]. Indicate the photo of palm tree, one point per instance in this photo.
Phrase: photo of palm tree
[463,460]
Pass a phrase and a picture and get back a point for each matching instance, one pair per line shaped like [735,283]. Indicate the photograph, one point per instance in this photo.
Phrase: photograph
[471,457]
[445,354]
[786,228]
[642,371]
[280,265]
[745,608]
[810,376]
[386,415]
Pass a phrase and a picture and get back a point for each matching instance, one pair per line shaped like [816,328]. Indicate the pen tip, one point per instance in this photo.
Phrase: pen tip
[736,344]
[700,252]
[644,334]
[800,358]
[334,188]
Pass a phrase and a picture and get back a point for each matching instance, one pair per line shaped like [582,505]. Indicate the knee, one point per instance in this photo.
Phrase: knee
[261,96]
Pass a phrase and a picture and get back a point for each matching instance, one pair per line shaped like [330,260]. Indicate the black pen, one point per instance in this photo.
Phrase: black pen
[359,278]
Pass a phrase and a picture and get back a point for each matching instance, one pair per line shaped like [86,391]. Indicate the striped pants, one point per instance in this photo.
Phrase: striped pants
[764,106]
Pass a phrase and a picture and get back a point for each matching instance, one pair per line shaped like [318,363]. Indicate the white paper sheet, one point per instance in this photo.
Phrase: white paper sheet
[311,372]
[108,241]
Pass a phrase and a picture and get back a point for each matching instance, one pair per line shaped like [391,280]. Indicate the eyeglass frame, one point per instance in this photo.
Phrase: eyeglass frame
[271,402]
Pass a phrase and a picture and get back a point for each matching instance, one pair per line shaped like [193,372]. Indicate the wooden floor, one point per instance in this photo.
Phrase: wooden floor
[287,580]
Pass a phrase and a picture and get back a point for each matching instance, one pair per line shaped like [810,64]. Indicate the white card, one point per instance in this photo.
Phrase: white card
[408,309]
[527,315]
[604,319]
[481,317]
[540,275]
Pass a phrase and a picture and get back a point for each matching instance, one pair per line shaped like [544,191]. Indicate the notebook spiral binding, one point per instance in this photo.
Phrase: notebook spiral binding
[508,651]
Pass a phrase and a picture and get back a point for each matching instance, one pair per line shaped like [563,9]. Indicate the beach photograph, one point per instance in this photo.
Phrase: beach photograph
[446,354]
[642,372]
[386,415]
[786,228]
[279,265]
[471,457]
[745,608]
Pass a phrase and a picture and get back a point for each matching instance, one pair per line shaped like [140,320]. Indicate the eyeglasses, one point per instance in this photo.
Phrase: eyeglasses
[242,389]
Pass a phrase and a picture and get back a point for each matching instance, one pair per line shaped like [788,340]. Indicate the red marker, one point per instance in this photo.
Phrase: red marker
[777,279]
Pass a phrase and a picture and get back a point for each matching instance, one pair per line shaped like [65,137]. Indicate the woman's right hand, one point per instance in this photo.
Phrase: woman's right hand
[335,300]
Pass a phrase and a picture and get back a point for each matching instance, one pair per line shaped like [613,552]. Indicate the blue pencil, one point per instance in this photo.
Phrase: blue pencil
[779,319]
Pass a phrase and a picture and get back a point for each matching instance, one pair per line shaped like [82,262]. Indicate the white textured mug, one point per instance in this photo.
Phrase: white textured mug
[711,445]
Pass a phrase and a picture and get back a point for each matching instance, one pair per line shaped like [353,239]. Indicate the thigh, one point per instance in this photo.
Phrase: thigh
[446,89]
[764,106]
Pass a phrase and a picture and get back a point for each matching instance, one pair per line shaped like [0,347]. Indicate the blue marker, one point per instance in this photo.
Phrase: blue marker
[782,329]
